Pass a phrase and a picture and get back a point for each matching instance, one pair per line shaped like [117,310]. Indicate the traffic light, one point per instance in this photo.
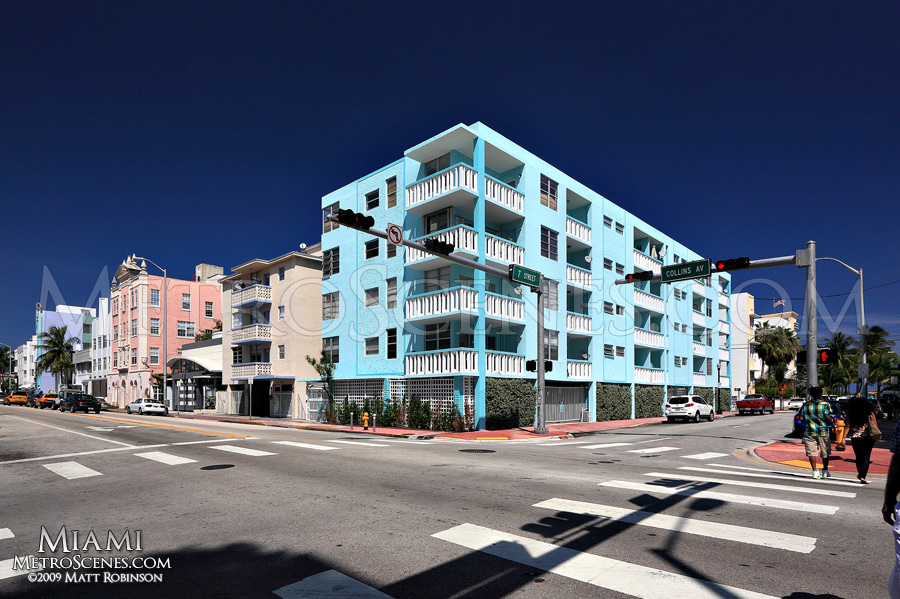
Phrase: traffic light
[355,219]
[438,247]
[801,357]
[531,365]
[827,355]
[733,264]
[644,275]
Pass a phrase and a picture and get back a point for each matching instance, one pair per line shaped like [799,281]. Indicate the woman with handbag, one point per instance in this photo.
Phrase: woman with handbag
[863,433]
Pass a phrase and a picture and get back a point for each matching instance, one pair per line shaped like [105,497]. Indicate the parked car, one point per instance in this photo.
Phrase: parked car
[836,409]
[795,403]
[16,398]
[79,401]
[102,401]
[890,401]
[47,400]
[756,402]
[879,413]
[688,407]
[145,405]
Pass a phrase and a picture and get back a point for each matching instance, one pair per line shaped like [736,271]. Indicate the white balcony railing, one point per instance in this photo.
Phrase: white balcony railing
[723,299]
[699,318]
[578,323]
[253,331]
[448,301]
[463,239]
[501,250]
[458,177]
[698,287]
[724,327]
[699,348]
[501,363]
[576,369]
[578,276]
[448,361]
[724,355]
[649,375]
[504,308]
[579,231]
[242,371]
[699,379]
[645,300]
[504,194]
[254,293]
[650,338]
[642,260]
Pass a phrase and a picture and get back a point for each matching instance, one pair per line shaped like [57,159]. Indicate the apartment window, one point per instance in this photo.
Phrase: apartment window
[548,192]
[620,310]
[185,329]
[133,298]
[550,294]
[607,222]
[154,355]
[391,250]
[437,165]
[208,309]
[678,361]
[236,355]
[607,264]
[392,192]
[437,336]
[548,243]
[708,366]
[437,279]
[134,356]
[391,344]
[372,200]
[467,340]
[115,332]
[608,307]
[185,301]
[331,347]
[437,221]
[608,351]
[371,346]
[115,362]
[372,249]
[154,326]
[331,262]
[154,298]
[551,345]
[281,352]
[677,293]
[620,351]
[675,259]
[620,228]
[86,329]
[331,306]
[709,307]
[281,273]
[280,312]
[115,306]
[133,327]
[371,297]
[327,225]
[620,269]
[709,337]
[392,292]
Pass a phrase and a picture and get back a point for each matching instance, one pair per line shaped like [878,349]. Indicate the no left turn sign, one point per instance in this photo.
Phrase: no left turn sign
[394,235]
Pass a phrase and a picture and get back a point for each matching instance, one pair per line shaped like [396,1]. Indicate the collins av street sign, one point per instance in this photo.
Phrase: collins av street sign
[686,270]
[525,276]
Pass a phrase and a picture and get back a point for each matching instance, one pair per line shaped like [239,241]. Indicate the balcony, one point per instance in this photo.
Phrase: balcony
[500,252]
[650,302]
[253,333]
[504,309]
[653,376]
[723,298]
[724,327]
[446,188]
[724,354]
[578,369]
[649,338]
[463,238]
[504,364]
[439,305]
[699,318]
[578,324]
[642,260]
[442,362]
[505,203]
[699,348]
[578,231]
[578,276]
[244,371]
[698,288]
[251,297]
[699,379]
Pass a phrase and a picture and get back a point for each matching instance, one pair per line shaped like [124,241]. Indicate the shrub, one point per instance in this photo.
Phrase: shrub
[648,401]
[724,399]
[419,413]
[613,402]
[707,393]
[509,403]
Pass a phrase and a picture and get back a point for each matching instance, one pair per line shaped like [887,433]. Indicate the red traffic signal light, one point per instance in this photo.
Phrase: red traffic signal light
[644,275]
[733,264]
[355,219]
[828,356]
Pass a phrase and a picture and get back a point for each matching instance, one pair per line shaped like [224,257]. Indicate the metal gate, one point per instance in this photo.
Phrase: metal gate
[564,403]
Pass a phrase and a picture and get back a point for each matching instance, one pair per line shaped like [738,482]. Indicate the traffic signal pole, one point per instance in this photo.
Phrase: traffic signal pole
[812,318]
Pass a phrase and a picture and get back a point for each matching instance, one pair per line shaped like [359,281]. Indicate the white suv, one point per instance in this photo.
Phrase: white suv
[689,407]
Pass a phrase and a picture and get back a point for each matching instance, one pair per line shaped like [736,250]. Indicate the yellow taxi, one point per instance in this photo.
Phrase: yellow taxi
[16,397]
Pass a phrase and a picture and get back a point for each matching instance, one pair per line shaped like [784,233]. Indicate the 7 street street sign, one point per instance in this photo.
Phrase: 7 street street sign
[525,276]
[686,270]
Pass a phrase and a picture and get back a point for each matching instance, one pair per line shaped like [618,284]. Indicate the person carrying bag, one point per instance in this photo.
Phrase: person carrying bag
[863,434]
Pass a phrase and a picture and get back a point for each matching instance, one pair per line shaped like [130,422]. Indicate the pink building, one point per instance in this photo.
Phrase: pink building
[152,320]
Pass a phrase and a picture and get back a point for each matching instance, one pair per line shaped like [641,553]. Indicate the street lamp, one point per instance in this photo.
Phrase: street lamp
[132,266]
[862,325]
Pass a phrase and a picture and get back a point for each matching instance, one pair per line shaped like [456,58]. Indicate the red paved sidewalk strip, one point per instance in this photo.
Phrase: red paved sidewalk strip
[793,454]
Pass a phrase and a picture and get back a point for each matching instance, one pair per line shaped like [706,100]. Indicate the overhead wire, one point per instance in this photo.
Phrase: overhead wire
[800,299]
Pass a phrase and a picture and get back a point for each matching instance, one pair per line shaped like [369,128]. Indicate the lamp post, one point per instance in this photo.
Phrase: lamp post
[862,325]
[131,265]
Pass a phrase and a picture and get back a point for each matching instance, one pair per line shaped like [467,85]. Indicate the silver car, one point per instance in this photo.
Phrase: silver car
[145,405]
[688,407]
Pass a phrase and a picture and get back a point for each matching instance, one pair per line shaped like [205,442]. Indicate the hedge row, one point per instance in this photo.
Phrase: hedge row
[613,401]
[648,401]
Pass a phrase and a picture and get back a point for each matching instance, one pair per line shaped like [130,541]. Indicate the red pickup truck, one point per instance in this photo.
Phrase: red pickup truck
[756,402]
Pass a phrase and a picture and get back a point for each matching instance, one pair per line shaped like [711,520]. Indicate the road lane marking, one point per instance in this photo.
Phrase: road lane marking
[727,532]
[705,456]
[364,443]
[652,449]
[623,577]
[330,583]
[177,428]
[780,476]
[559,443]
[605,445]
[408,441]
[6,533]
[701,493]
[165,458]
[65,430]
[242,450]
[754,484]
[6,568]
[104,429]
[110,450]
[71,470]
[306,445]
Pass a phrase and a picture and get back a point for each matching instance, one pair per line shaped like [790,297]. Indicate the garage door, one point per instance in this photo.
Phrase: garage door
[564,403]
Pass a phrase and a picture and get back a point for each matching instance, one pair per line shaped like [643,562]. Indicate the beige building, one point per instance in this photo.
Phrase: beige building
[272,321]
[787,320]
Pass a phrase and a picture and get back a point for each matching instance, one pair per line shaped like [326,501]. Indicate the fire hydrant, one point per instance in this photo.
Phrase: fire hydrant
[365,421]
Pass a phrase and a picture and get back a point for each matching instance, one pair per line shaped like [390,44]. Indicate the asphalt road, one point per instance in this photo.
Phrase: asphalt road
[230,510]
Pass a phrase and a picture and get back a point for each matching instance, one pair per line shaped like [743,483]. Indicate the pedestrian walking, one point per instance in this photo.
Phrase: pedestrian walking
[863,433]
[817,414]
[890,511]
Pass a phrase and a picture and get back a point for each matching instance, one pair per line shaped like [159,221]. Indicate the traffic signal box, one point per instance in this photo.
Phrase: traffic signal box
[355,219]
[824,355]
[438,247]
[732,264]
[531,365]
[644,275]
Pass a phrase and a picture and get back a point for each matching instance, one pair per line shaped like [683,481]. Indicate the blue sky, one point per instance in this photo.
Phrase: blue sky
[738,128]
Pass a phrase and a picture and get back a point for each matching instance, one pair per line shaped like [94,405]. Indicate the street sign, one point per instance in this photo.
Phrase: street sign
[394,235]
[249,380]
[525,276]
[864,371]
[684,271]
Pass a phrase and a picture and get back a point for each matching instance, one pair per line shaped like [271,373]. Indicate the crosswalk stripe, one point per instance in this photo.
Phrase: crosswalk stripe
[330,583]
[6,569]
[71,470]
[408,441]
[560,443]
[780,476]
[705,456]
[165,458]
[306,445]
[728,532]
[242,450]
[6,533]
[605,445]
[363,443]
[754,484]
[623,577]
[652,449]
[729,497]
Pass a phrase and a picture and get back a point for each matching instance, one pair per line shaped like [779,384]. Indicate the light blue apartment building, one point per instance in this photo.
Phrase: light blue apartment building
[398,321]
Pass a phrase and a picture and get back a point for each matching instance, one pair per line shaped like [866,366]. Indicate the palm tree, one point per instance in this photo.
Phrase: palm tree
[848,359]
[776,346]
[57,349]
[882,366]
[5,354]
